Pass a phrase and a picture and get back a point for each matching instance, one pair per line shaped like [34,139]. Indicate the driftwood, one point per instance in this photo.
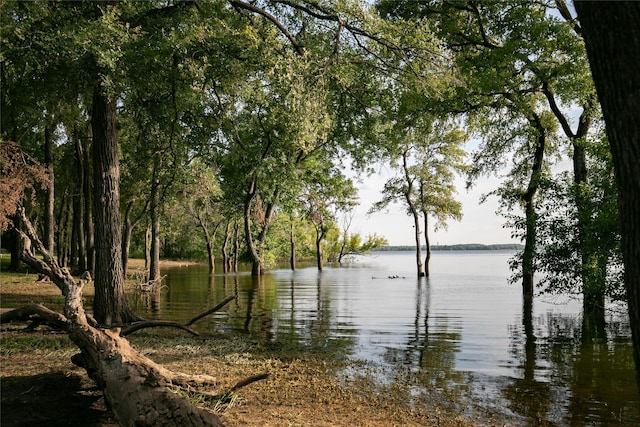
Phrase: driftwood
[139,391]
[154,324]
[165,323]
[211,311]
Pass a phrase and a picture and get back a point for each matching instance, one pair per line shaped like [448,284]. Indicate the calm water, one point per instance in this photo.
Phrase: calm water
[462,335]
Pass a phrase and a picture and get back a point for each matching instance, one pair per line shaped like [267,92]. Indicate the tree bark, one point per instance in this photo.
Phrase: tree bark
[613,48]
[154,255]
[110,305]
[79,262]
[49,215]
[78,207]
[63,228]
[256,264]
[320,232]
[126,236]
[528,198]
[87,188]
[75,234]
[236,245]
[225,249]
[209,239]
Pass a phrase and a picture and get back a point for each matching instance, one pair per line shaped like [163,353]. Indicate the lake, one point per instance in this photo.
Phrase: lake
[462,335]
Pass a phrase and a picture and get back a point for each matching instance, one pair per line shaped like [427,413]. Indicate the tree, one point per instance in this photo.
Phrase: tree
[349,244]
[204,203]
[614,54]
[506,55]
[429,155]
[110,304]
[561,251]
[326,191]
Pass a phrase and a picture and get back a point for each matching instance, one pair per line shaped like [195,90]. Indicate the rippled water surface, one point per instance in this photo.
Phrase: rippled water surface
[463,333]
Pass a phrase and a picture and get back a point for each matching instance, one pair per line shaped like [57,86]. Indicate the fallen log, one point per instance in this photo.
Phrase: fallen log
[139,391]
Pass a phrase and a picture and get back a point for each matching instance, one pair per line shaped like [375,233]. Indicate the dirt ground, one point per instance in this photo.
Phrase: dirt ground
[40,385]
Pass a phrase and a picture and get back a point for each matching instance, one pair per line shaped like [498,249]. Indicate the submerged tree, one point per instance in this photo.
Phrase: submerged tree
[326,192]
[614,62]
[431,154]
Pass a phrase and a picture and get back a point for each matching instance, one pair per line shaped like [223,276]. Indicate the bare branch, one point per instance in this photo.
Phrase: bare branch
[36,313]
[211,311]
[270,17]
[154,324]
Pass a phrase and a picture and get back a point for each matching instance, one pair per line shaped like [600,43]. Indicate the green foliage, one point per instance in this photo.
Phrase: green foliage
[219,106]
[431,154]
[569,262]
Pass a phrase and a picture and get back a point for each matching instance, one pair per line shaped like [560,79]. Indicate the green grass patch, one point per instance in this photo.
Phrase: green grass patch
[15,343]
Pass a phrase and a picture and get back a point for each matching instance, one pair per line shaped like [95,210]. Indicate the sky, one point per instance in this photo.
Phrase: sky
[480,223]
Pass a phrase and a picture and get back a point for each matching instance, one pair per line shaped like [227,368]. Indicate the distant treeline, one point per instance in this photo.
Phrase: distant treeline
[461,247]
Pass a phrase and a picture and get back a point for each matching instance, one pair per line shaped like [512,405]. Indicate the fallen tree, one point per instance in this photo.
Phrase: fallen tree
[139,391]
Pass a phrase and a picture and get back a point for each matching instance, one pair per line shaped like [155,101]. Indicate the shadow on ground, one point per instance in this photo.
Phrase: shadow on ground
[52,399]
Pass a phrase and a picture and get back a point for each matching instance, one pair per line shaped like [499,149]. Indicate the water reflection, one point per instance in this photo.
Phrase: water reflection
[463,333]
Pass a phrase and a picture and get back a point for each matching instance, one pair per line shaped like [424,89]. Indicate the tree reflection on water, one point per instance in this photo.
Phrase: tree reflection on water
[462,338]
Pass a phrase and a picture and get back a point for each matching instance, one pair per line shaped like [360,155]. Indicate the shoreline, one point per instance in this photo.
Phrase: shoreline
[305,388]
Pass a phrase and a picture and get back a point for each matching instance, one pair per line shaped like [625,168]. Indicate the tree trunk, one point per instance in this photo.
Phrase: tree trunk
[613,48]
[256,264]
[593,272]
[416,226]
[414,213]
[209,239]
[319,236]
[236,245]
[110,305]
[87,188]
[593,289]
[78,208]
[147,240]
[49,216]
[78,227]
[427,243]
[75,233]
[63,228]
[126,236]
[292,244]
[528,199]
[225,249]
[528,253]
[60,233]
[154,254]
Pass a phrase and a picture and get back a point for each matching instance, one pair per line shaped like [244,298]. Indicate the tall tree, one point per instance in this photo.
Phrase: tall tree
[614,53]
[110,304]
[428,157]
